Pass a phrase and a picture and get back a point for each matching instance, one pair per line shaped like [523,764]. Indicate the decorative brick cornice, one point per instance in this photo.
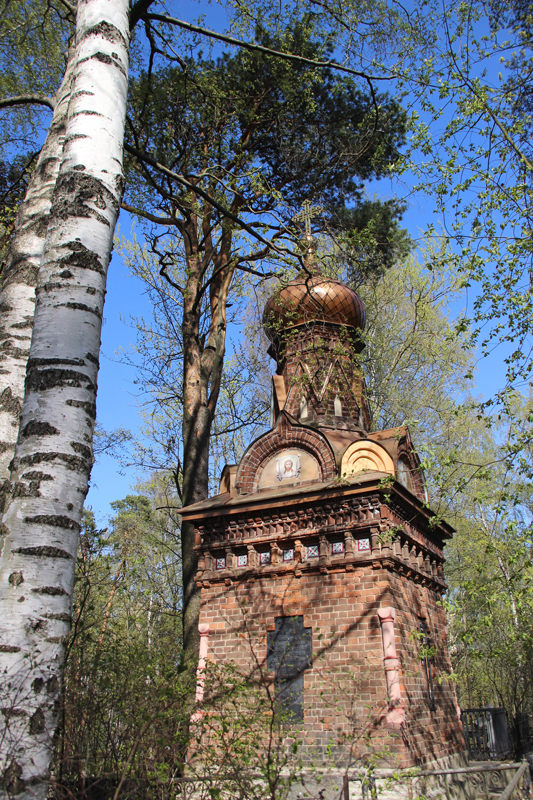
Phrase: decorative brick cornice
[396,543]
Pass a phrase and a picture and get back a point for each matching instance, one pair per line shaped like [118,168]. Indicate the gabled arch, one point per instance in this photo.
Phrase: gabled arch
[366,455]
[287,434]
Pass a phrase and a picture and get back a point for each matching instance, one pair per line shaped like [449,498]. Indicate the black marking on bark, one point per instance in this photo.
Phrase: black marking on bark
[90,357]
[74,190]
[119,184]
[86,113]
[35,428]
[9,403]
[19,269]
[44,550]
[81,257]
[52,685]
[39,380]
[82,449]
[90,290]
[16,578]
[23,490]
[89,408]
[49,287]
[66,274]
[82,307]
[81,92]
[21,599]
[28,323]
[50,590]
[55,520]
[37,722]
[11,780]
[60,617]
[106,30]
[35,475]
[80,167]
[104,59]
[15,352]
[9,648]
[5,446]
[70,506]
[37,685]
[49,362]
[74,463]
[4,530]
[76,136]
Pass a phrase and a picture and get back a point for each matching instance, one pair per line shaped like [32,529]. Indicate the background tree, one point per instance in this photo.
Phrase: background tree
[250,135]
[123,687]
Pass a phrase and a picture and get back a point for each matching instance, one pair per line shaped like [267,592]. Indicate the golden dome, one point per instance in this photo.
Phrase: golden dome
[310,299]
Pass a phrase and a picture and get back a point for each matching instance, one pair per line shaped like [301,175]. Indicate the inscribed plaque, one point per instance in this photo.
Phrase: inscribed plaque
[289,653]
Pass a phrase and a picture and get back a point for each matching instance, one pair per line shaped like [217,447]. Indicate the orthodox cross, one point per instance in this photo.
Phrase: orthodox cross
[306,215]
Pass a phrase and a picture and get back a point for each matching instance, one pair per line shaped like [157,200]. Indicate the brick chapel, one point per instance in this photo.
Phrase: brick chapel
[323,538]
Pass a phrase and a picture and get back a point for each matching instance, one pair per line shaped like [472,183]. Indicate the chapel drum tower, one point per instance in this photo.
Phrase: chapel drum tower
[322,536]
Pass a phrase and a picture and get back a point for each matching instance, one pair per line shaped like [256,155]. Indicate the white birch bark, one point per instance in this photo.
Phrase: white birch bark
[53,455]
[17,294]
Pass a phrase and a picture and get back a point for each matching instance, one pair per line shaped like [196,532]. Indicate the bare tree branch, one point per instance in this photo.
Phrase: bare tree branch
[138,11]
[146,214]
[27,100]
[196,189]
[262,49]
[70,8]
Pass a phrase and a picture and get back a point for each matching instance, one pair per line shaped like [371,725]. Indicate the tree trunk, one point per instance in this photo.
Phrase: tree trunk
[202,375]
[17,295]
[53,455]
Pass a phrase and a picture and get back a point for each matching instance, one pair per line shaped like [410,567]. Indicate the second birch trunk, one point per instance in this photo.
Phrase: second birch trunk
[53,456]
[17,294]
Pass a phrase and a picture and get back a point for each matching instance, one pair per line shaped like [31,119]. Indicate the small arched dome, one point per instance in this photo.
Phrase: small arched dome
[309,299]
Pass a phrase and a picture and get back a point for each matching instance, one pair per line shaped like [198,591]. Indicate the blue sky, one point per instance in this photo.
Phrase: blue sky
[117,404]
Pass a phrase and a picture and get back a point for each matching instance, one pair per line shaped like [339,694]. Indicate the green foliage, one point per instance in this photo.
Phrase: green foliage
[34,36]
[490,574]
[122,686]
[261,135]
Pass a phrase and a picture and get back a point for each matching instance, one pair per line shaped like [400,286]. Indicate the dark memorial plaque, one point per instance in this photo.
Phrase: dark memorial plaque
[289,652]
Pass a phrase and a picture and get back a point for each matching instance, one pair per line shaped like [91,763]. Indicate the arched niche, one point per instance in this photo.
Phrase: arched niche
[404,474]
[366,455]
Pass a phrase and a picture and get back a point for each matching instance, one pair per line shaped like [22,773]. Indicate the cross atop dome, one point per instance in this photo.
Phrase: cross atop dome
[307,213]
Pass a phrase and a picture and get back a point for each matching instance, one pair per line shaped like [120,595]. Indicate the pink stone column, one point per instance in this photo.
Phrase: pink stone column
[395,714]
[203,630]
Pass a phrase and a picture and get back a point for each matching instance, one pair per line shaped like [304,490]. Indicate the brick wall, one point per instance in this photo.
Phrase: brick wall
[345,691]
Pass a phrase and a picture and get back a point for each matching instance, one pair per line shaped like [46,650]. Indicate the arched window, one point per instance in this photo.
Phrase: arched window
[337,405]
[303,407]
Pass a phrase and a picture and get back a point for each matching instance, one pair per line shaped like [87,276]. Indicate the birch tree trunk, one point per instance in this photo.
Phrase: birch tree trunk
[17,295]
[53,456]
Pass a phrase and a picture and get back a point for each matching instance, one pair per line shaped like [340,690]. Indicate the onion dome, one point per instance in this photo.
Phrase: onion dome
[313,299]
